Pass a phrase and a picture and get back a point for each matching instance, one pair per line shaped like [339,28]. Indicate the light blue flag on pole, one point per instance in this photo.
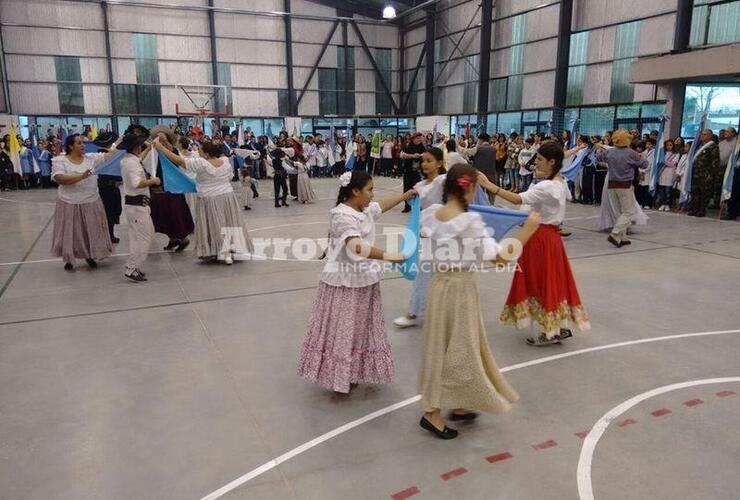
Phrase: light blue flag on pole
[692,156]
[571,171]
[730,173]
[500,220]
[269,130]
[658,158]
[350,162]
[574,133]
[174,179]
[410,242]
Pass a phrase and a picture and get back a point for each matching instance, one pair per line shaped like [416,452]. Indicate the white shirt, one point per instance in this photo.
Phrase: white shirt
[455,158]
[210,180]
[344,267]
[548,199]
[430,193]
[461,242]
[387,150]
[524,156]
[85,191]
[132,173]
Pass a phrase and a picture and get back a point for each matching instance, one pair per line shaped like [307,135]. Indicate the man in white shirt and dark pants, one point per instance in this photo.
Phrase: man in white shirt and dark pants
[137,198]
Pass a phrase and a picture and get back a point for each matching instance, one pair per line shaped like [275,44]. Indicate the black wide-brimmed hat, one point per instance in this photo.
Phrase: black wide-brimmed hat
[138,130]
[105,139]
[130,141]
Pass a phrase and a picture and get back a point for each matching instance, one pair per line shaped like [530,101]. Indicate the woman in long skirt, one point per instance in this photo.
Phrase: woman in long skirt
[306,193]
[220,231]
[458,370]
[80,224]
[543,289]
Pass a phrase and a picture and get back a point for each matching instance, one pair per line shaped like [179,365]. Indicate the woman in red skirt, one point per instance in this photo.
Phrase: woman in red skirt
[543,289]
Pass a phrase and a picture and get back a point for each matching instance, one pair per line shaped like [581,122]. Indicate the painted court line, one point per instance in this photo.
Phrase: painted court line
[401,404]
[499,457]
[453,473]
[585,461]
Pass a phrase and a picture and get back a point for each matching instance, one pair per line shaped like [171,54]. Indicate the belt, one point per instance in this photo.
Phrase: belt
[140,200]
[619,184]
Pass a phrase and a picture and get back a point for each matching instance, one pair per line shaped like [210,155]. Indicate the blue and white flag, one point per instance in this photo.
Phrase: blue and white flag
[410,242]
[571,171]
[350,149]
[332,146]
[500,220]
[174,180]
[692,156]
[574,133]
[732,164]
[658,156]
[481,197]
[111,166]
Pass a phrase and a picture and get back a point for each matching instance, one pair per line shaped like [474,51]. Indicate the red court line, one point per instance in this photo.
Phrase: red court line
[453,473]
[582,434]
[408,492]
[499,457]
[625,423]
[693,402]
[661,412]
[543,446]
[724,394]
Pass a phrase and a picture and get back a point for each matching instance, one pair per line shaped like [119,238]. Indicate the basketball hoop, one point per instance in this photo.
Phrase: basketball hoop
[200,101]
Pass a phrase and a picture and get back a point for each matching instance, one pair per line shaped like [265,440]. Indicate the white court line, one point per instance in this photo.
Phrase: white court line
[401,404]
[585,486]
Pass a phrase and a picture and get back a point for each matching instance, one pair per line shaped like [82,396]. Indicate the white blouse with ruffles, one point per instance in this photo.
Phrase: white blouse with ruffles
[210,180]
[344,267]
[461,242]
[85,191]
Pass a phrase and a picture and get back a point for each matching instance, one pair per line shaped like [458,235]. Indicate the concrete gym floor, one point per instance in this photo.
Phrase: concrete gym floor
[174,388]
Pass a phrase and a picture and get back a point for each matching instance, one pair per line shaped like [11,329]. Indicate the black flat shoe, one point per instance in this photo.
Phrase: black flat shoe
[285,204]
[172,244]
[69,266]
[183,245]
[115,240]
[447,433]
[464,417]
[91,263]
[613,241]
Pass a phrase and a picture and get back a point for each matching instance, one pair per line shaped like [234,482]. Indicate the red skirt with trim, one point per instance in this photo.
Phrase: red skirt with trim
[543,289]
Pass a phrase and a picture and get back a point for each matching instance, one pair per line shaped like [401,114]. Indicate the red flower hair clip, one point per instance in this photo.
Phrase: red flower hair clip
[464,181]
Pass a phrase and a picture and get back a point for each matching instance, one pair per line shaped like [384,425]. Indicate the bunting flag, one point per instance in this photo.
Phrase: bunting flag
[571,171]
[15,150]
[410,242]
[174,179]
[692,156]
[375,145]
[574,133]
[500,220]
[658,156]
[732,164]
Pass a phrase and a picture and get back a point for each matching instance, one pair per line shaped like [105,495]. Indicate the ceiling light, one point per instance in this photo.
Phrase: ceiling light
[389,12]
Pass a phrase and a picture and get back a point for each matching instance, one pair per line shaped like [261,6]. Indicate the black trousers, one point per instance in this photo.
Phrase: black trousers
[293,184]
[410,178]
[644,198]
[280,183]
[387,166]
[733,204]
[599,179]
[588,181]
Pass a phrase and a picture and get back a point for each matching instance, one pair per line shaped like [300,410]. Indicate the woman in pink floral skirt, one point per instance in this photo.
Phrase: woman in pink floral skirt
[346,343]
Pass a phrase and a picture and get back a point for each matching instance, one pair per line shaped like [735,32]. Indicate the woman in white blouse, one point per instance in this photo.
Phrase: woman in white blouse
[80,224]
[219,229]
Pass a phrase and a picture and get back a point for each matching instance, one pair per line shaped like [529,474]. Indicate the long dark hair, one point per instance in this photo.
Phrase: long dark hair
[438,155]
[552,151]
[457,177]
[69,141]
[359,180]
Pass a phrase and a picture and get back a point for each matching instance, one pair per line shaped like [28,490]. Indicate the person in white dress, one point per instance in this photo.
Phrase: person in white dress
[80,223]
[305,193]
[220,232]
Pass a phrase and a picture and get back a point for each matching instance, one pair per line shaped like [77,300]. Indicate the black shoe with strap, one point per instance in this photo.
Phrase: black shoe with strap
[445,433]
[463,417]
[91,263]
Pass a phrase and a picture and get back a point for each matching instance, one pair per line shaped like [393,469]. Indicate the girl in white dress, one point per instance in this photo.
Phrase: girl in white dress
[306,193]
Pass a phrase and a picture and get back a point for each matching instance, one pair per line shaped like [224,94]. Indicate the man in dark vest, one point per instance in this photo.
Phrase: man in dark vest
[706,175]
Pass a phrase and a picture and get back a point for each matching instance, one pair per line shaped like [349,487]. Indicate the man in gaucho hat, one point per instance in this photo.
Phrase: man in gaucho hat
[108,186]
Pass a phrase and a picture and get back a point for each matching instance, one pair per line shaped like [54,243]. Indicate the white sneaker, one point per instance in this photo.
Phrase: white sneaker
[405,322]
[229,260]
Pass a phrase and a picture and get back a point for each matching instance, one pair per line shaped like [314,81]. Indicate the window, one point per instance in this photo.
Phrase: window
[327,91]
[137,99]
[346,107]
[148,95]
[577,68]
[497,94]
[596,121]
[71,99]
[470,88]
[721,102]
[516,61]
[224,78]
[282,101]
[382,102]
[509,122]
[625,49]
[715,24]
[414,94]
